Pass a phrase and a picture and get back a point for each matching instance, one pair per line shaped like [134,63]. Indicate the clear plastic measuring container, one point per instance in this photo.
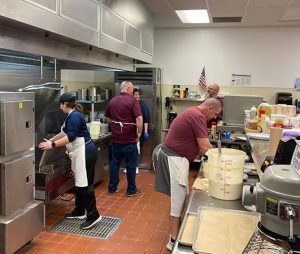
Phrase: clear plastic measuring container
[226,173]
[95,129]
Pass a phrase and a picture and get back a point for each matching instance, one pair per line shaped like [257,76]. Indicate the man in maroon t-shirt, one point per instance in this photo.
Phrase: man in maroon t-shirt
[123,113]
[187,137]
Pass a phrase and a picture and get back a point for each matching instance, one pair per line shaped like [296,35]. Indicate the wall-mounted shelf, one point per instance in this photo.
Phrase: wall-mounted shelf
[188,99]
[90,102]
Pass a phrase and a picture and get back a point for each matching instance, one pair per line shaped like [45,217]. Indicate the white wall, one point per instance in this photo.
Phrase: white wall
[270,55]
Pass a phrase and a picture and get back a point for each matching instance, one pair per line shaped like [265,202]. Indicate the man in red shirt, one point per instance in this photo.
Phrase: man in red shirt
[123,113]
[187,137]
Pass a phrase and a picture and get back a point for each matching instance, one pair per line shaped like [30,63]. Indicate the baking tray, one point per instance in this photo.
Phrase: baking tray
[183,237]
[200,219]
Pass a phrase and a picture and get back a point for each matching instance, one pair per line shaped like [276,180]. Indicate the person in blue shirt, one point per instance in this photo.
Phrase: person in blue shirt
[146,119]
[145,113]
[83,154]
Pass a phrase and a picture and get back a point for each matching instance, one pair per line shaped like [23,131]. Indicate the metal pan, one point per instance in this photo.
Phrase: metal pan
[199,222]
[187,229]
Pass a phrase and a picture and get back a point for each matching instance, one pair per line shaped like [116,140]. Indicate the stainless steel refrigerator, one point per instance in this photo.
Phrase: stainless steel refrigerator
[149,81]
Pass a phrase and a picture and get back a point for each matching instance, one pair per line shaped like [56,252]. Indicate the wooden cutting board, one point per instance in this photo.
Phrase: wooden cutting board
[223,231]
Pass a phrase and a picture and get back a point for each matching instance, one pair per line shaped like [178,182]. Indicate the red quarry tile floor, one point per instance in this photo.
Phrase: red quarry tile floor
[144,229]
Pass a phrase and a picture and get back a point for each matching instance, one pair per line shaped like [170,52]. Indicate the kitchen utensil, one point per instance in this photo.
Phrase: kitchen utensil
[92,93]
[82,94]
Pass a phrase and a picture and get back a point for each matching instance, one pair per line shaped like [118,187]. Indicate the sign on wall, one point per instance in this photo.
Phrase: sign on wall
[240,79]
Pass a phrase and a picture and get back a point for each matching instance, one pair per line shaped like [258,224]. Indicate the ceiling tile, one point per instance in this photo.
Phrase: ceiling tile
[157,6]
[291,14]
[263,15]
[217,8]
[268,3]
[187,4]
[295,3]
[167,19]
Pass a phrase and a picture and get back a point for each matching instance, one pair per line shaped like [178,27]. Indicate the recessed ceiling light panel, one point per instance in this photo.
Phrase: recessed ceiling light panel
[193,16]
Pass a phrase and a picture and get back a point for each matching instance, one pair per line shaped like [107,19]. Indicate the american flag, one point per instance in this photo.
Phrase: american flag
[202,80]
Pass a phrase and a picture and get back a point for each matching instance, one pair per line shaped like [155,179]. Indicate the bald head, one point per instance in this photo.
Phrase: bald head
[127,87]
[211,107]
[213,90]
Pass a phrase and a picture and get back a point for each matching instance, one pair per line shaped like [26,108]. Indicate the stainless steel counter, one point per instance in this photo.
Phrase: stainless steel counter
[199,198]
[102,164]
[103,137]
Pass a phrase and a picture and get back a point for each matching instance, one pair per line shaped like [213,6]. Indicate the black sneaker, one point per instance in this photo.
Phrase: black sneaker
[75,215]
[113,193]
[90,223]
[137,193]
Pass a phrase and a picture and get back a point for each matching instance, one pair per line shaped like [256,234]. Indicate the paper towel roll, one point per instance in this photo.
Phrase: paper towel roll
[275,136]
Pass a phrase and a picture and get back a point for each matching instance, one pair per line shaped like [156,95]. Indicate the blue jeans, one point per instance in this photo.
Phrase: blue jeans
[130,153]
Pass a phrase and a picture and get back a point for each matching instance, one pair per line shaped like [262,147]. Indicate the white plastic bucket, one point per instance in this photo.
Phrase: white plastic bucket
[226,173]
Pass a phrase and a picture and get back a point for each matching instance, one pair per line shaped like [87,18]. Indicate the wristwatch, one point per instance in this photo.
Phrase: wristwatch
[53,144]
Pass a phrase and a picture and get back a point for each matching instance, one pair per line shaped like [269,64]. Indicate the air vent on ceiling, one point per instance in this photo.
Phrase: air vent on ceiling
[227,19]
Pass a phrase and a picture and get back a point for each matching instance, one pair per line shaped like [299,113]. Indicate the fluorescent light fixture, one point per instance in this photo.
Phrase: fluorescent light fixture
[193,16]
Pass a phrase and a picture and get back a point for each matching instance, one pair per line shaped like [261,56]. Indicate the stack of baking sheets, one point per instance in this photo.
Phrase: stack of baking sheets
[220,231]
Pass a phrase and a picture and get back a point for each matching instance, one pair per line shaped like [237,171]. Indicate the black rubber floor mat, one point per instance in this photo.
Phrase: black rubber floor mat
[103,229]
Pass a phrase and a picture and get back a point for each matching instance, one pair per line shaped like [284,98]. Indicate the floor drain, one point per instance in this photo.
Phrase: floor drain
[103,229]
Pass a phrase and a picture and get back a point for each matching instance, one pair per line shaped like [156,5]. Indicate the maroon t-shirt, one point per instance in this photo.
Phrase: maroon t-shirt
[184,131]
[123,108]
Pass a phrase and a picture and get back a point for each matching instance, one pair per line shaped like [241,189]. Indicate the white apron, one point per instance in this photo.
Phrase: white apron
[76,152]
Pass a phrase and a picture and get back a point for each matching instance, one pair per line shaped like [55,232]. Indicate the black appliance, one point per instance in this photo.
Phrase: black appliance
[284,98]
[171,117]
[285,150]
[297,104]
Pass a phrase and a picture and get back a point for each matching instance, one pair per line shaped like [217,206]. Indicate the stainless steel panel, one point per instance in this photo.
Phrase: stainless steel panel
[134,11]
[47,4]
[234,106]
[21,227]
[112,25]
[84,12]
[68,37]
[133,36]
[102,164]
[45,94]
[16,184]
[14,75]
[29,14]
[17,126]
[147,44]
[73,54]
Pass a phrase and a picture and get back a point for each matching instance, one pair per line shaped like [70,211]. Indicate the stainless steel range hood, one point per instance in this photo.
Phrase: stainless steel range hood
[71,54]
[45,94]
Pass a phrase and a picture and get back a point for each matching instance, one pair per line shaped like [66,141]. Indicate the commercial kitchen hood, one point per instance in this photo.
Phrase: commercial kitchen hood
[45,94]
[70,54]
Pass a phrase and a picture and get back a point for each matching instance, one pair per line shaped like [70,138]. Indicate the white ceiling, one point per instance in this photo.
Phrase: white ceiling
[252,12]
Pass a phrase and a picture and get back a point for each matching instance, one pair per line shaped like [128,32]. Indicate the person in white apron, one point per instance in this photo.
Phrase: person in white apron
[83,154]
[123,113]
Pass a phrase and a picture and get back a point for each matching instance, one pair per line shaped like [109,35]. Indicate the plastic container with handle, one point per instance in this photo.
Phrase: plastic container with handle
[226,173]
